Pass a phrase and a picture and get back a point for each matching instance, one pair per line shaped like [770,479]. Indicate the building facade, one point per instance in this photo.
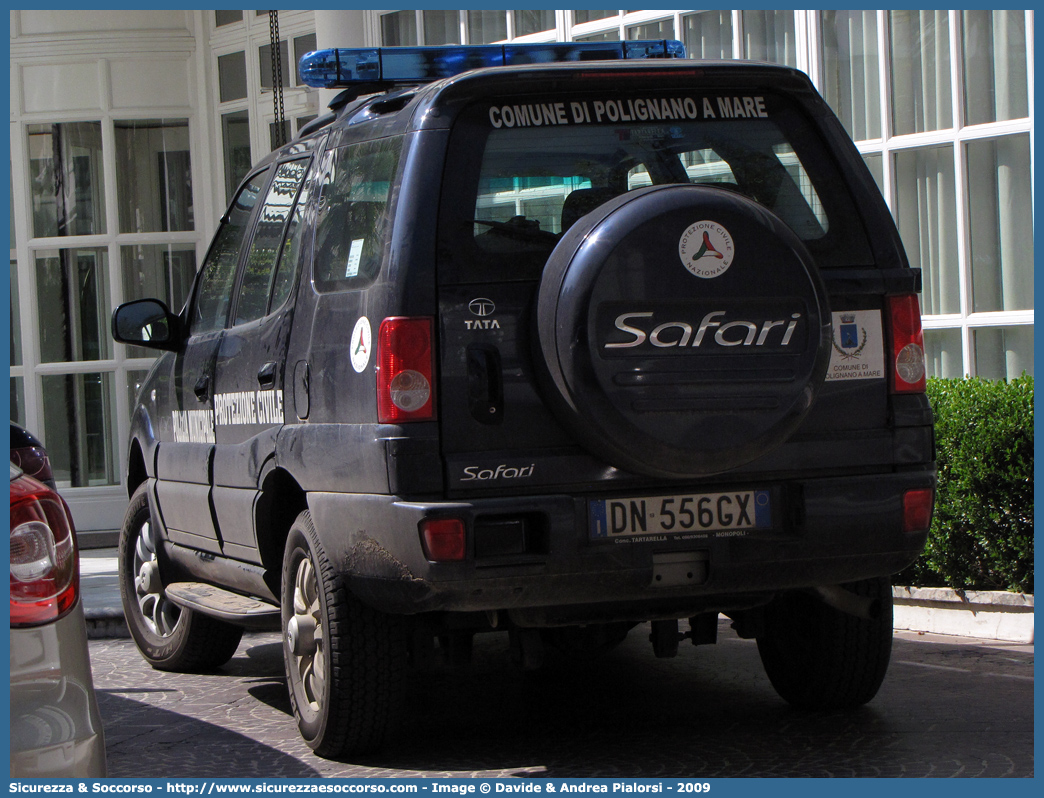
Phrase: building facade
[130,130]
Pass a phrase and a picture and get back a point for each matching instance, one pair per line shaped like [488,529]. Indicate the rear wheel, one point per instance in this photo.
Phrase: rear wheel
[169,637]
[344,660]
[818,657]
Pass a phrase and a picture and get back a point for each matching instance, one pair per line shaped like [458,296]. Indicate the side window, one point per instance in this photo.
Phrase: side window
[353,214]
[263,259]
[214,293]
[283,280]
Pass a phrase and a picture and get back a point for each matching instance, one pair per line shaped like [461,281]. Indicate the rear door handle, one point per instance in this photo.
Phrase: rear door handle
[266,375]
[202,389]
[485,384]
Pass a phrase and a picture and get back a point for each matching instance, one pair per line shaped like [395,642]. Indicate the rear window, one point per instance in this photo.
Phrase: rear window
[522,172]
[353,214]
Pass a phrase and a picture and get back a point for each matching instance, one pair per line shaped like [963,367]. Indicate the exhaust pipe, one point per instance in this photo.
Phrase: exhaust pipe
[849,603]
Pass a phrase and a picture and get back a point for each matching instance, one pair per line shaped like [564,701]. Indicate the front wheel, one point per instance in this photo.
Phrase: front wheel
[169,637]
[344,661]
[818,657]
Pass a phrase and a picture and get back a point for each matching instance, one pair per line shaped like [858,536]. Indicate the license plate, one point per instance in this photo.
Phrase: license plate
[679,515]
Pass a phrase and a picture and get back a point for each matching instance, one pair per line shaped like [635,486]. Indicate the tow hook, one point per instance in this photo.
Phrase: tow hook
[849,603]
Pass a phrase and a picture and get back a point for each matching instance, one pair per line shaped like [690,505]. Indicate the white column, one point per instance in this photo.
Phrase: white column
[339,28]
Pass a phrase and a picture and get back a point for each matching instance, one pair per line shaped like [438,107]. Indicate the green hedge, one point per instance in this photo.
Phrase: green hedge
[982,532]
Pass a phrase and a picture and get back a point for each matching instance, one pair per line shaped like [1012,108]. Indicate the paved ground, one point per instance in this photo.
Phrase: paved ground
[949,707]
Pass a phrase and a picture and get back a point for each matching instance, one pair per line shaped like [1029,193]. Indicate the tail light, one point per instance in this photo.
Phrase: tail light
[443,539]
[908,366]
[917,509]
[45,577]
[405,371]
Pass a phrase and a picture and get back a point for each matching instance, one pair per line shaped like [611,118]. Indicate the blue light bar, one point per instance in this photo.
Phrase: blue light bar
[342,67]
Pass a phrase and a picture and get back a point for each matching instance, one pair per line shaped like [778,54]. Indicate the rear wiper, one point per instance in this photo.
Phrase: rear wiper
[519,227]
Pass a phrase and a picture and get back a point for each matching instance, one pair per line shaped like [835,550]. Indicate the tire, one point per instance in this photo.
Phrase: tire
[681,331]
[345,662]
[169,637]
[820,658]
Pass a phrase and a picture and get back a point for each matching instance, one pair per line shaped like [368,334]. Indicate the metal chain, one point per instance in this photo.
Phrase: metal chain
[277,79]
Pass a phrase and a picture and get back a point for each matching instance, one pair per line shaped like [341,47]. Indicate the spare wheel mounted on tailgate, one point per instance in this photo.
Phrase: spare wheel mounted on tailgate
[682,330]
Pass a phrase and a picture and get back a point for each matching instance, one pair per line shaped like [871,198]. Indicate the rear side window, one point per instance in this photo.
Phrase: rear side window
[526,171]
[263,263]
[218,272]
[354,212]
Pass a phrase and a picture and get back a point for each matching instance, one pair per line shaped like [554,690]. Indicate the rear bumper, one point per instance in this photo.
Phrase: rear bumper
[824,531]
[56,730]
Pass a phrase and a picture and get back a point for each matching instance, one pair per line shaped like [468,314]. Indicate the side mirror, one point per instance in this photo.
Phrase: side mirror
[146,322]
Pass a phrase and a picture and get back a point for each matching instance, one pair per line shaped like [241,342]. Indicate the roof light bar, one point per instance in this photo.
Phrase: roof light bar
[342,67]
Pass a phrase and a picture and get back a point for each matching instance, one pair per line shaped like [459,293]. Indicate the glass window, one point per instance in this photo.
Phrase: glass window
[851,80]
[227,17]
[486,26]
[875,163]
[920,71]
[521,186]
[235,139]
[926,213]
[232,77]
[18,400]
[664,29]
[79,429]
[302,45]
[286,268]
[261,262]
[527,22]
[1000,218]
[153,175]
[353,213]
[708,34]
[442,27]
[72,295]
[214,293]
[399,28]
[16,318]
[159,271]
[770,36]
[994,65]
[1003,353]
[605,36]
[943,353]
[264,58]
[580,17]
[67,179]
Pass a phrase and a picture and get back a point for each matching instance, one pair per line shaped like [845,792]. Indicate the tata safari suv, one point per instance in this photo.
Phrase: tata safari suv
[551,340]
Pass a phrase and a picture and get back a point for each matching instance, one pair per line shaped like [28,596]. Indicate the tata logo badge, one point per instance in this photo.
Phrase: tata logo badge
[361,344]
[706,249]
[482,306]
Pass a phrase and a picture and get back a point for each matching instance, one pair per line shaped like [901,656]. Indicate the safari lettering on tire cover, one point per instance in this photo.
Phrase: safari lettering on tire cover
[714,329]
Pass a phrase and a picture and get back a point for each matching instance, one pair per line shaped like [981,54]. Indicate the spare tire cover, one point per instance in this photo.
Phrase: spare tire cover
[682,330]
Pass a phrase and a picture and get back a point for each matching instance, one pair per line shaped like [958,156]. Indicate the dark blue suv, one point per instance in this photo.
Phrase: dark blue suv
[546,339]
